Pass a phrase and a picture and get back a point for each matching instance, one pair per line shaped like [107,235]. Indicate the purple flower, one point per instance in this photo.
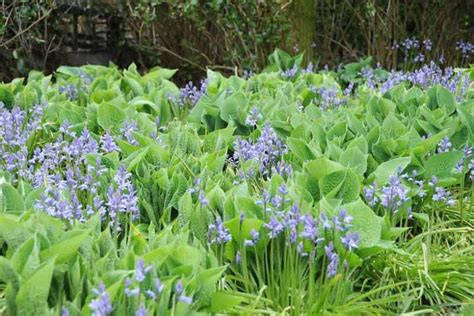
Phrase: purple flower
[443,195]
[141,310]
[325,221]
[179,292]
[141,270]
[333,260]
[299,248]
[274,227]
[70,90]
[218,233]
[101,305]
[202,199]
[350,240]
[253,117]
[428,44]
[159,286]
[283,190]
[128,291]
[129,127]
[190,94]
[289,73]
[445,145]
[238,257]
[64,311]
[310,228]
[255,236]
[394,194]
[107,143]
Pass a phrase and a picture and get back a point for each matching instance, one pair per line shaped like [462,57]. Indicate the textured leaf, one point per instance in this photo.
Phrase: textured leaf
[365,222]
[109,116]
[33,294]
[300,148]
[388,168]
[12,200]
[441,165]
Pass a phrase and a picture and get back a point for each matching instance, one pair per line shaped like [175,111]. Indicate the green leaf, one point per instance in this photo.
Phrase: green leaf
[430,143]
[342,184]
[32,298]
[110,116]
[388,168]
[12,202]
[353,158]
[441,165]
[13,231]
[300,148]
[223,301]
[232,108]
[66,248]
[365,222]
[26,258]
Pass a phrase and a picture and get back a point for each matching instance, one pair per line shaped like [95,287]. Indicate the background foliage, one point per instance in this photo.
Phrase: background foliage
[224,35]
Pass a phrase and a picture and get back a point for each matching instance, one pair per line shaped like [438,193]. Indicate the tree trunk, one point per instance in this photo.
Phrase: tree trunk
[302,16]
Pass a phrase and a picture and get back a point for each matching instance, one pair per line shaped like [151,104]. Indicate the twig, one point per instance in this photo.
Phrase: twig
[27,29]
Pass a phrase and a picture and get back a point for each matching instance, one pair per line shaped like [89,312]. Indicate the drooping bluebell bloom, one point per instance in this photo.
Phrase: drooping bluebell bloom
[180,293]
[394,194]
[141,270]
[101,305]
[218,233]
[274,227]
[141,311]
[253,117]
[350,240]
[107,143]
[333,260]
[445,145]
[255,235]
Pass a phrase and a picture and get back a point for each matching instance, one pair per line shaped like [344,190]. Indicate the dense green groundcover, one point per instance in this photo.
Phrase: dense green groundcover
[286,192]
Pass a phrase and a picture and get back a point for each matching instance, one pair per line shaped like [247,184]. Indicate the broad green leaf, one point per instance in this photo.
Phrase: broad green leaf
[300,148]
[110,116]
[12,202]
[33,294]
[388,168]
[342,184]
[26,258]
[65,249]
[12,231]
[441,165]
[365,222]
[223,301]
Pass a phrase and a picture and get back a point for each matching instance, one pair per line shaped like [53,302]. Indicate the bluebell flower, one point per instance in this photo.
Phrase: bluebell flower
[350,240]
[141,270]
[159,286]
[101,305]
[394,194]
[445,145]
[218,233]
[107,143]
[333,260]
[255,235]
[253,117]
[141,310]
[180,294]
[274,227]
[129,292]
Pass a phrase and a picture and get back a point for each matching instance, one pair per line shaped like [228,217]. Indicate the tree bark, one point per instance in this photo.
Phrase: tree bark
[302,17]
